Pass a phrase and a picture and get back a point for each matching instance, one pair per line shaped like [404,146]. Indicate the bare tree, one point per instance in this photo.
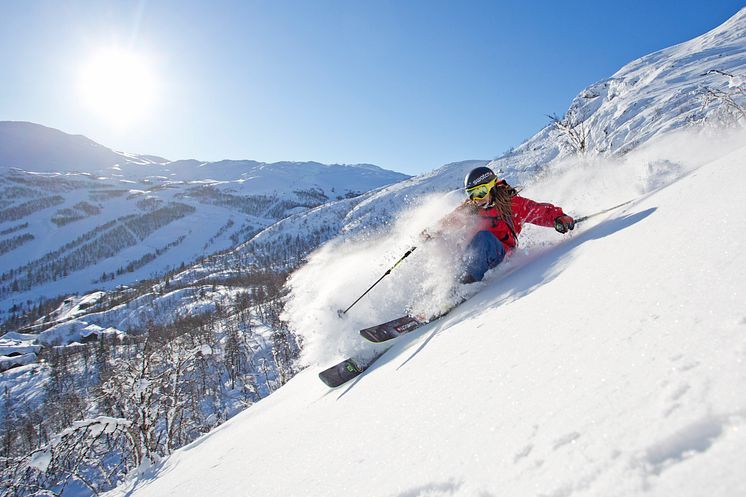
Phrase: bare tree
[573,130]
[95,453]
[729,110]
[9,426]
[285,351]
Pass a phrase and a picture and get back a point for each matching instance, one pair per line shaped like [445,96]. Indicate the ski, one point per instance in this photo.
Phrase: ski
[391,329]
[344,371]
[399,326]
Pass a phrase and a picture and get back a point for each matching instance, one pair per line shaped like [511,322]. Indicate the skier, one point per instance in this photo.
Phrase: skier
[494,215]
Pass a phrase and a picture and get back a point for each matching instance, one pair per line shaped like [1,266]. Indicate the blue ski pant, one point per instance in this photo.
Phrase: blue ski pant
[483,253]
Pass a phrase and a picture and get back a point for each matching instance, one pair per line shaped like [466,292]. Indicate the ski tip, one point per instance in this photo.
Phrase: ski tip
[340,373]
[328,381]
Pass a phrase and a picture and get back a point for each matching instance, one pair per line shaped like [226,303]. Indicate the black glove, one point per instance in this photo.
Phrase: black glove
[564,223]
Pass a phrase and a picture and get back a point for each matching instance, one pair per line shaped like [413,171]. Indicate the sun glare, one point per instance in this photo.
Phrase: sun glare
[118,85]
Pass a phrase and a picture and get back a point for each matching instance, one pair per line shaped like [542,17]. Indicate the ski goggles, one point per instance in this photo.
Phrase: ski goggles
[480,191]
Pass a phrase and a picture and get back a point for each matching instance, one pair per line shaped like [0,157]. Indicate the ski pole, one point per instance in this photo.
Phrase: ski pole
[585,218]
[406,254]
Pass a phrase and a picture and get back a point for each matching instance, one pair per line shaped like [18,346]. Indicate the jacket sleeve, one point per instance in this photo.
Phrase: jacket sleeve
[539,213]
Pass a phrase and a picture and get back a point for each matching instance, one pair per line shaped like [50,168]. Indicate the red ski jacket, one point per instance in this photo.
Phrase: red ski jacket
[524,211]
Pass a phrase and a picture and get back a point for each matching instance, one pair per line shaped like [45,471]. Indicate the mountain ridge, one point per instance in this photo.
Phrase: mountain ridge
[20,142]
[99,219]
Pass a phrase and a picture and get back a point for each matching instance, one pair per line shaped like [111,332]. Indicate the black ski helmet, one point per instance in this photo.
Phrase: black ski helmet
[479,176]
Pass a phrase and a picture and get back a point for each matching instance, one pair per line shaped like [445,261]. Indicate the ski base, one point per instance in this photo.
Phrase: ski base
[391,329]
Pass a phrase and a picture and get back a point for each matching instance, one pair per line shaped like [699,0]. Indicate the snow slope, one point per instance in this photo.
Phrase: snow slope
[608,363]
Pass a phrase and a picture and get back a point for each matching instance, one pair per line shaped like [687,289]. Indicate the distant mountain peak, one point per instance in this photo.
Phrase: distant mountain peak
[34,147]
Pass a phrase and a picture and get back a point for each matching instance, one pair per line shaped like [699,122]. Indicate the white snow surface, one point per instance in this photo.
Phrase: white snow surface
[607,362]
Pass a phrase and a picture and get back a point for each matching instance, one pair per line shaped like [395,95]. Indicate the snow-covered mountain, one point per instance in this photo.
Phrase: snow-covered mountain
[687,85]
[291,239]
[694,85]
[33,147]
[607,363]
[75,216]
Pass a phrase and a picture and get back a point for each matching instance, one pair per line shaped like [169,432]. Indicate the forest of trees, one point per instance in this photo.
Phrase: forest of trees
[13,243]
[90,248]
[111,405]
[120,401]
[24,209]
[79,211]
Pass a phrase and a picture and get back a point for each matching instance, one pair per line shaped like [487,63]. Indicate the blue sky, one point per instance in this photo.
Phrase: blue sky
[407,85]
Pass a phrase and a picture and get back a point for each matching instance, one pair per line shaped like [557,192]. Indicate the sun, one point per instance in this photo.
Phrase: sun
[118,85]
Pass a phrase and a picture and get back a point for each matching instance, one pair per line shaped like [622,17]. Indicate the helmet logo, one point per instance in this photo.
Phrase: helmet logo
[482,178]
